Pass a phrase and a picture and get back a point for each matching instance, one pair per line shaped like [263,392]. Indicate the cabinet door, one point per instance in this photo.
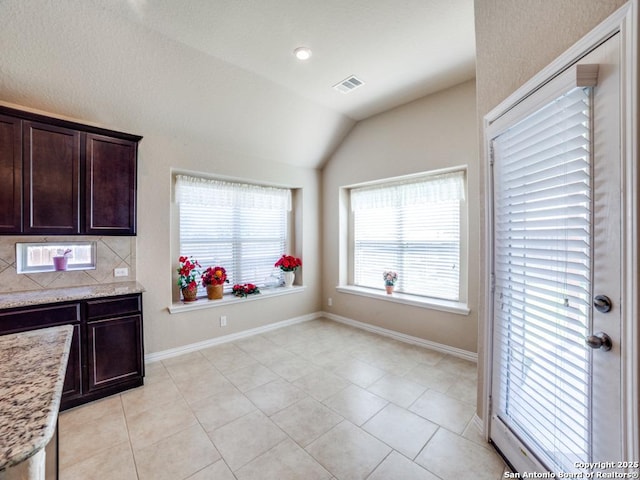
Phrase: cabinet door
[114,351]
[72,387]
[10,175]
[51,179]
[110,182]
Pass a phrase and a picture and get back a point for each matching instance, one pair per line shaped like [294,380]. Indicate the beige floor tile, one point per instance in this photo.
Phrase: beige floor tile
[192,358]
[397,389]
[150,396]
[431,377]
[151,426]
[255,344]
[285,461]
[321,384]
[155,372]
[310,349]
[306,420]
[458,366]
[80,440]
[473,433]
[452,457]
[348,452]
[291,368]
[395,466]
[272,354]
[444,410]
[355,404]
[198,387]
[404,431]
[216,471]
[225,406]
[358,372]
[228,357]
[246,438]
[197,366]
[91,411]
[464,389]
[274,396]
[251,377]
[114,463]
[177,456]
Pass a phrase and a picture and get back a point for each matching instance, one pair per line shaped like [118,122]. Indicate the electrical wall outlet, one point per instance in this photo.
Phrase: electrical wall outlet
[330,301]
[223,320]
[121,272]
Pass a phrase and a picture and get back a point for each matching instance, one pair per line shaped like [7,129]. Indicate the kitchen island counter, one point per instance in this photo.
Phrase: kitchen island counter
[32,372]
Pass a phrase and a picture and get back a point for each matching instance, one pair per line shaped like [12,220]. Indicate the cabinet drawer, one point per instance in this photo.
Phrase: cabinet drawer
[38,317]
[113,306]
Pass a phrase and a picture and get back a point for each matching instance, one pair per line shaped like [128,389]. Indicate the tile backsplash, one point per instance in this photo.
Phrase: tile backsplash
[112,252]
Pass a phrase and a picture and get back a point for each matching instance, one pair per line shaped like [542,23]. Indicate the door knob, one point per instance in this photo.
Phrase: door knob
[599,340]
[602,303]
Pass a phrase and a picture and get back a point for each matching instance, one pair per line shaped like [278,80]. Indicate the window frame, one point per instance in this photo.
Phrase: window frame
[266,290]
[347,267]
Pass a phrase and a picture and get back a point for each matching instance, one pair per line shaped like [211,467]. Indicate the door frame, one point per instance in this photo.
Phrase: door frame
[625,21]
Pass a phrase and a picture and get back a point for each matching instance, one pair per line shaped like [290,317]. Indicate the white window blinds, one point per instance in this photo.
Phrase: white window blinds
[542,252]
[238,226]
[412,228]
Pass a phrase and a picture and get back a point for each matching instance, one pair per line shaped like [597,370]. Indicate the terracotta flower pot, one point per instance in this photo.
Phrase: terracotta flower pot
[190,294]
[214,292]
[389,289]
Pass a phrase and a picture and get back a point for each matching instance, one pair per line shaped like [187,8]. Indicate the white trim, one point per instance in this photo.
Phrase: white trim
[421,342]
[625,20]
[194,347]
[449,306]
[228,299]
[630,333]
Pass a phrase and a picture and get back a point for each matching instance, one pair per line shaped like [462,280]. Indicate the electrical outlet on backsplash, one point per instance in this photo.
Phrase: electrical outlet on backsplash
[111,253]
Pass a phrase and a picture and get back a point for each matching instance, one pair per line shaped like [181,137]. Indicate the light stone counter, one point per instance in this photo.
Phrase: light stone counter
[39,297]
[32,371]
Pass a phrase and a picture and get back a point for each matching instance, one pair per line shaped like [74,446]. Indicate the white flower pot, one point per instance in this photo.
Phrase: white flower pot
[288,278]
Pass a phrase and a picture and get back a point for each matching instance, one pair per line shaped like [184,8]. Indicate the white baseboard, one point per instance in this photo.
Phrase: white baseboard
[194,347]
[439,347]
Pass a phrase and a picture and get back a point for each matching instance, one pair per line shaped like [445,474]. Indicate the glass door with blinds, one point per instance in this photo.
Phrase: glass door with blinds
[555,402]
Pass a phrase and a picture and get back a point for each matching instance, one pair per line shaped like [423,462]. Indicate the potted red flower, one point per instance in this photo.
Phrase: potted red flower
[288,264]
[187,272]
[242,290]
[214,279]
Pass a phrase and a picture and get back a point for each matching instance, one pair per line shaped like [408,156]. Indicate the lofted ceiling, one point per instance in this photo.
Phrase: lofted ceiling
[225,69]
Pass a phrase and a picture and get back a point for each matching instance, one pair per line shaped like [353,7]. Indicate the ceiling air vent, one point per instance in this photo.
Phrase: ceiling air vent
[349,84]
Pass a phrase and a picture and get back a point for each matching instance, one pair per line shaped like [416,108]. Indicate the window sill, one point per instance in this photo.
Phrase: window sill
[229,299]
[405,299]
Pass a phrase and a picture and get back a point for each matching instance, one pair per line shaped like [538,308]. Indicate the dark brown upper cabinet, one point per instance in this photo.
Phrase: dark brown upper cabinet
[110,182]
[51,179]
[64,178]
[10,175]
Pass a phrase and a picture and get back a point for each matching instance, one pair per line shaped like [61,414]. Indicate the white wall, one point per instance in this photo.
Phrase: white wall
[156,264]
[434,132]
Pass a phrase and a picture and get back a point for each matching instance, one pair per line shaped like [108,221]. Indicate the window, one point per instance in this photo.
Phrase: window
[412,227]
[38,257]
[242,227]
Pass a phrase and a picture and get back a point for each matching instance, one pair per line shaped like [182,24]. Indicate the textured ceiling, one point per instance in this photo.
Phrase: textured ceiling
[224,69]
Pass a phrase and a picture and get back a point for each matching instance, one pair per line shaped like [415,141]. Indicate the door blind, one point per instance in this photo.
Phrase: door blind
[542,268]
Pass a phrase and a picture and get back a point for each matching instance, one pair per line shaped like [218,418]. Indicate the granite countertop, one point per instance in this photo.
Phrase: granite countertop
[32,371]
[53,295]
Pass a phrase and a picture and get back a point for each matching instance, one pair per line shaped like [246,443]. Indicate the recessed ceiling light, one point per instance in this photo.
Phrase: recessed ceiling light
[302,53]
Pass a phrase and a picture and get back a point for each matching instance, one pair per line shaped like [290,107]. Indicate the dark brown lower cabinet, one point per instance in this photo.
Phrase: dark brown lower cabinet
[106,355]
[113,351]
